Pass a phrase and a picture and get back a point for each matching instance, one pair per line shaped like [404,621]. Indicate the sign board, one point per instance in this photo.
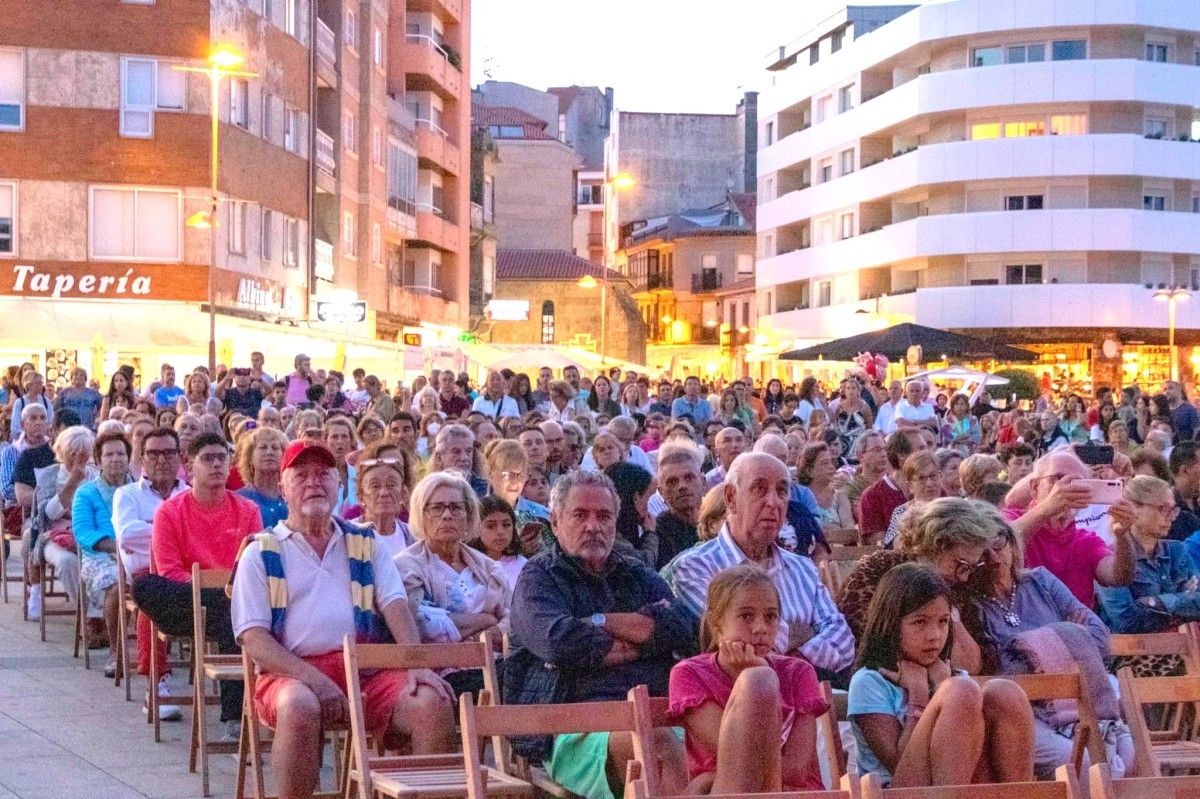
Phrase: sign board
[103,280]
[411,339]
[341,312]
[508,310]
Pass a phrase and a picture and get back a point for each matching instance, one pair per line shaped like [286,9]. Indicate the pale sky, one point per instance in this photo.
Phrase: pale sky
[658,55]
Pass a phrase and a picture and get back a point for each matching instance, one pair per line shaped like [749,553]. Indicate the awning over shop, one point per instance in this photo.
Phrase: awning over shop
[895,341]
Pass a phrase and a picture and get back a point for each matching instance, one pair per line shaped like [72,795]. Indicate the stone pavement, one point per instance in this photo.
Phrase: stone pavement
[67,732]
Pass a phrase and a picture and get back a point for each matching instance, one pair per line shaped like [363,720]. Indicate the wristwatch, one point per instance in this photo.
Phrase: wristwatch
[598,619]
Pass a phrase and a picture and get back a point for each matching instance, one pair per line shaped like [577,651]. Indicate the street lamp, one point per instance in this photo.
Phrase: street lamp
[222,63]
[1171,296]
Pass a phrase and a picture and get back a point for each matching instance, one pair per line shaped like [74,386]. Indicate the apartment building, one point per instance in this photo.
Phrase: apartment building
[1016,170]
[327,160]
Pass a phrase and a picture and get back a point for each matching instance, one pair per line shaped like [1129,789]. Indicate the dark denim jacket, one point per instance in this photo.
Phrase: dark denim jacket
[1164,574]
[553,599]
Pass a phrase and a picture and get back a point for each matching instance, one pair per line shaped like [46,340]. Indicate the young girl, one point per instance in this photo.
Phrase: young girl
[498,537]
[749,715]
[916,723]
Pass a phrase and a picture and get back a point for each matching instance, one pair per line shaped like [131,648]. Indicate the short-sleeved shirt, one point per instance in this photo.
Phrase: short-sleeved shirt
[455,406]
[1071,555]
[914,413]
[701,679]
[245,402]
[165,396]
[29,461]
[876,505]
[320,612]
[700,410]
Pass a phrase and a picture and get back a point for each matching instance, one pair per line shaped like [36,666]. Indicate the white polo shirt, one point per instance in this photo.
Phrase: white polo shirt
[914,413]
[319,613]
[133,519]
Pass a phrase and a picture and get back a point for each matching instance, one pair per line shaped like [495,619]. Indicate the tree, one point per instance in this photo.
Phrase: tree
[1020,382]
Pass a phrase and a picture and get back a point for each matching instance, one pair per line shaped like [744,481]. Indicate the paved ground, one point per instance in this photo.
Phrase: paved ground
[67,732]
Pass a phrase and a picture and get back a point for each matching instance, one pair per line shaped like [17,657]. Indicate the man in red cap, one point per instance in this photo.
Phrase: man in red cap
[338,584]
[205,525]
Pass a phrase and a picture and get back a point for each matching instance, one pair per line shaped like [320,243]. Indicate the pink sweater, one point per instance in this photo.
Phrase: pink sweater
[186,532]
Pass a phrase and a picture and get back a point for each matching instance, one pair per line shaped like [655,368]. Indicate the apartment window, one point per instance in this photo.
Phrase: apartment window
[350,31]
[290,128]
[814,53]
[489,198]
[792,296]
[745,263]
[376,244]
[823,106]
[1156,52]
[548,322]
[506,131]
[1025,53]
[769,134]
[835,41]
[349,236]
[826,169]
[845,98]
[268,118]
[266,235]
[1158,128]
[402,180]
[8,218]
[986,56]
[1068,124]
[239,102]
[291,241]
[1196,203]
[1018,274]
[291,22]
[147,85]
[237,227]
[1068,50]
[768,190]
[12,89]
[135,224]
[1017,130]
[824,293]
[376,145]
[592,194]
[1154,202]
[846,225]
[1024,202]
[377,47]
[847,159]
[349,132]
[985,130]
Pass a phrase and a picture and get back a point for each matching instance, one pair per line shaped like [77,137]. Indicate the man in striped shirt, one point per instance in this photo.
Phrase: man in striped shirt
[756,493]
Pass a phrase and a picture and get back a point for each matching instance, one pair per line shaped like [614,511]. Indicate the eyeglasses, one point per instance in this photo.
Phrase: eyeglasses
[438,509]
[964,568]
[1170,511]
[151,454]
[213,458]
[512,475]
[999,543]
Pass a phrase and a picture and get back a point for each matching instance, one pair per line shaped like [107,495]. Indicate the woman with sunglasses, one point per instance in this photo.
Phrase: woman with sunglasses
[386,476]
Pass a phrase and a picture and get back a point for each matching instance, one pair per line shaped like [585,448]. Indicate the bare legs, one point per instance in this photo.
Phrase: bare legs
[671,763]
[749,747]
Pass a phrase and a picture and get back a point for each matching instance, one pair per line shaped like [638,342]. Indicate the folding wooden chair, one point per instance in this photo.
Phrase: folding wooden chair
[127,634]
[8,541]
[1063,786]
[154,699]
[1182,643]
[207,668]
[832,575]
[830,734]
[635,788]
[82,633]
[1040,687]
[1103,786]
[844,537]
[49,580]
[1152,757]
[424,776]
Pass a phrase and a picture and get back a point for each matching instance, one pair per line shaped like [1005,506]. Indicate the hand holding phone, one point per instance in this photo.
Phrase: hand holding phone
[1102,492]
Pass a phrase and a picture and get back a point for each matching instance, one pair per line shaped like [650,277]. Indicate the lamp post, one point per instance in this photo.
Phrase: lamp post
[221,64]
[619,182]
[1171,296]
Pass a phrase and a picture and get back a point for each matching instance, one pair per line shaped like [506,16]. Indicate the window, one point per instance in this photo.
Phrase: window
[8,218]
[847,161]
[824,293]
[845,98]
[349,132]
[268,118]
[1016,130]
[489,198]
[1154,202]
[1025,53]
[846,225]
[1069,50]
[1196,203]
[291,18]
[1018,274]
[239,103]
[147,85]
[823,106]
[237,227]
[1158,128]
[506,131]
[985,130]
[402,180]
[592,194]
[135,224]
[350,30]
[291,241]
[547,322]
[1068,125]
[1156,52]
[377,47]
[745,263]
[792,296]
[769,134]
[826,168]
[290,127]
[746,313]
[986,281]
[12,89]
[376,244]
[986,56]
[835,41]
[1024,202]
[349,236]
[814,53]
[266,235]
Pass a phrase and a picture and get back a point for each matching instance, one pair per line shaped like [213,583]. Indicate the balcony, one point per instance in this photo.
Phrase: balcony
[434,145]
[327,56]
[658,281]
[401,219]
[706,281]
[435,229]
[704,334]
[447,10]
[326,156]
[428,67]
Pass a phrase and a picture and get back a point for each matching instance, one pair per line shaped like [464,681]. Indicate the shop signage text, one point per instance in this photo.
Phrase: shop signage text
[98,280]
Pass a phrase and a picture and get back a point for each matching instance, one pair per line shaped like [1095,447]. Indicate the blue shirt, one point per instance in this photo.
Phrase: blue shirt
[273,510]
[84,401]
[165,396]
[1185,418]
[91,515]
[700,410]
[1163,573]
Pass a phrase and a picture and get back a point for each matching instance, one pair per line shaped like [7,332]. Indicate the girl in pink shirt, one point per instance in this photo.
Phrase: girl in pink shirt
[749,715]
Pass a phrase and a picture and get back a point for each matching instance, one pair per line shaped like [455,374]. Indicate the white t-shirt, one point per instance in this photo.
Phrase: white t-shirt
[914,413]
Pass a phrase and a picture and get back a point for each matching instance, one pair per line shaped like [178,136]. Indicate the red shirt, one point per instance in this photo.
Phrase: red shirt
[454,407]
[186,532]
[876,506]
[1071,555]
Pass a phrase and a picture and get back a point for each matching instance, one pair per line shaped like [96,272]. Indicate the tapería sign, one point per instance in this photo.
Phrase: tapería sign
[98,280]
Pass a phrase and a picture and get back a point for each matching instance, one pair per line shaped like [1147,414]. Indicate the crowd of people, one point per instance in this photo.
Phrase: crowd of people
[622,532]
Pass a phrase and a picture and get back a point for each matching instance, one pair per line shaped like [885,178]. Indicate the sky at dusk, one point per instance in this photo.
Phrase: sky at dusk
[658,55]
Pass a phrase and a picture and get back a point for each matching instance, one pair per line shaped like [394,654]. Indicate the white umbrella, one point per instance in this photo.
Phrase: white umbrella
[962,373]
[535,359]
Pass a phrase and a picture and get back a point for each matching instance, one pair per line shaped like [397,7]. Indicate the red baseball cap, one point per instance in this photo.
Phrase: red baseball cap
[302,450]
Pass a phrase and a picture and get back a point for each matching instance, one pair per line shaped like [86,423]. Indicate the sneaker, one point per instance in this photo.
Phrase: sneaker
[165,712]
[34,606]
[232,731]
[110,670]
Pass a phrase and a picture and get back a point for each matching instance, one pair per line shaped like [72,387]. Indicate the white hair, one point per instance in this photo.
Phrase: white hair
[425,489]
[678,451]
[747,459]
[73,441]
[774,446]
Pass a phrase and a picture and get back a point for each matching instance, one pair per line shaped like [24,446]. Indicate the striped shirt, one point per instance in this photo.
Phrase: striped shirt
[805,599]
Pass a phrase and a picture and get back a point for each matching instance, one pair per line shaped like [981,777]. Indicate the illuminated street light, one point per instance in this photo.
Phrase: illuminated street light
[1171,296]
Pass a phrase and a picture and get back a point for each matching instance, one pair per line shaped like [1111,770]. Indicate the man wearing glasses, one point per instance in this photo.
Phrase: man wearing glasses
[202,526]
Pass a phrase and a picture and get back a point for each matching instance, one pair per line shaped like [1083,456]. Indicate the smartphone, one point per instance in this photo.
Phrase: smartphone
[1095,454]
[1102,492]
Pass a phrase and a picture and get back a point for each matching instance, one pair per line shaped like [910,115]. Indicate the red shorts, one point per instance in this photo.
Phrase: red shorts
[380,689]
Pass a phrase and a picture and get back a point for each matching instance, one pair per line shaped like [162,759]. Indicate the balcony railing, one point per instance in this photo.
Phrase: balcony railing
[658,280]
[402,205]
[326,43]
[476,216]
[703,334]
[442,213]
[429,124]
[325,153]
[706,281]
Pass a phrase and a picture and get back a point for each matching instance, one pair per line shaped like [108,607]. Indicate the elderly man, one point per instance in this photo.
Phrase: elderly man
[379,404]
[1077,557]
[450,400]
[494,402]
[885,419]
[756,495]
[728,444]
[682,488]
[296,639]
[802,533]
[35,436]
[454,448]
[913,411]
[606,623]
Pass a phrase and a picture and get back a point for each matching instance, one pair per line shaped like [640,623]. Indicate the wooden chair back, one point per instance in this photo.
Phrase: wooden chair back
[1063,786]
[1103,786]
[843,537]
[1184,643]
[831,574]
[851,554]
[1136,692]
[635,788]
[827,730]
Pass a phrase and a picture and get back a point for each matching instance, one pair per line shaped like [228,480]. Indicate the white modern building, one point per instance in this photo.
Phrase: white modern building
[1016,169]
